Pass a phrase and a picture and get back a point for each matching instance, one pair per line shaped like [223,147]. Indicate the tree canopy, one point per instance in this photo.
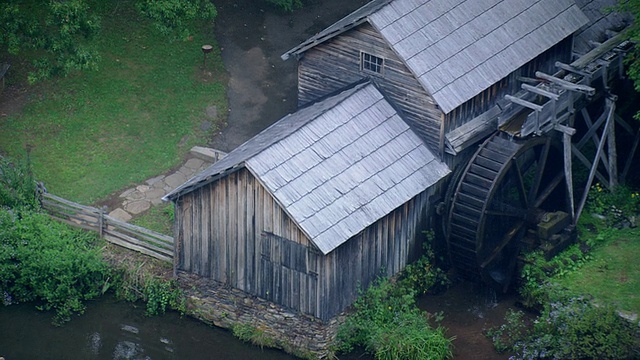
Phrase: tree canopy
[57,34]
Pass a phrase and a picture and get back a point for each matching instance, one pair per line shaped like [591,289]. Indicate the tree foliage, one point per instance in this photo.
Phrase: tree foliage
[55,34]
[286,5]
[632,7]
[174,17]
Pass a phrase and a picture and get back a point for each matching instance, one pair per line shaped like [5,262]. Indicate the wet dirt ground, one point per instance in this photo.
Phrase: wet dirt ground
[262,86]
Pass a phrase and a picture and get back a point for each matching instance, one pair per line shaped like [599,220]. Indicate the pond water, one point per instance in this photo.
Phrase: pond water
[111,329]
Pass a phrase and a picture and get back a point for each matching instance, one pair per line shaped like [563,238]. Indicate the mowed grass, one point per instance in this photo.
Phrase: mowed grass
[612,275]
[94,133]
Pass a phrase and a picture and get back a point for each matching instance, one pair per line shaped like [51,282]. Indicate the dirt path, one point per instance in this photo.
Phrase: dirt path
[262,87]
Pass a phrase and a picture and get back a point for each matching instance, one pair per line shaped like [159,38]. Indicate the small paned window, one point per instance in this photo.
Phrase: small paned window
[371,63]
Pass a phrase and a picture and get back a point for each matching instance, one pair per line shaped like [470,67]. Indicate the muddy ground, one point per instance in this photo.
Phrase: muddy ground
[252,36]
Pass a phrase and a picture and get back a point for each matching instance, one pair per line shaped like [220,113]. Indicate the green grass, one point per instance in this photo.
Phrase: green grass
[157,218]
[94,133]
[612,275]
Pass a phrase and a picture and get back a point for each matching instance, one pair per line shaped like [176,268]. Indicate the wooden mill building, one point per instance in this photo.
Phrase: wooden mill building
[319,204]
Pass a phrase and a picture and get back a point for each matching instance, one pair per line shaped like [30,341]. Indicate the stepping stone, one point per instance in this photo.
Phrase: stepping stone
[193,164]
[120,215]
[135,195]
[155,193]
[154,180]
[142,188]
[127,192]
[206,154]
[174,180]
[136,207]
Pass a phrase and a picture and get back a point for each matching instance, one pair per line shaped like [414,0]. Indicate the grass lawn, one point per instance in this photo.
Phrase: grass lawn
[94,133]
[612,274]
[158,218]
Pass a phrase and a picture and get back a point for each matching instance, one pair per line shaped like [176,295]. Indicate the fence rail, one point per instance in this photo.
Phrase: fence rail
[115,231]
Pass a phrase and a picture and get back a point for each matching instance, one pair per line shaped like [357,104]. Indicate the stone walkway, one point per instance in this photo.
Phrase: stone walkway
[141,198]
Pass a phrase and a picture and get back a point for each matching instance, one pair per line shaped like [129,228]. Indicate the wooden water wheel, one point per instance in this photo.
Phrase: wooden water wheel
[507,188]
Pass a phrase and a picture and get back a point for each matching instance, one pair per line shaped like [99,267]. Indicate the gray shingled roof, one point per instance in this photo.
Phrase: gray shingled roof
[339,166]
[458,48]
[600,20]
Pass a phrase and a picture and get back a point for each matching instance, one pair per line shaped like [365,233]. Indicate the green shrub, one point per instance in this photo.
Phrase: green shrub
[286,5]
[253,335]
[387,323]
[173,18]
[571,328]
[423,275]
[17,184]
[48,262]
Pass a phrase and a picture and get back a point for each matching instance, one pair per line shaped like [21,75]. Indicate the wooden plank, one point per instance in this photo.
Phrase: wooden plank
[136,242]
[140,249]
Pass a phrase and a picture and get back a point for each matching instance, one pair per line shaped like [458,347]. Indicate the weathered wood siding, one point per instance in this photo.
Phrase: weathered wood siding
[234,232]
[545,62]
[220,226]
[387,245]
[335,64]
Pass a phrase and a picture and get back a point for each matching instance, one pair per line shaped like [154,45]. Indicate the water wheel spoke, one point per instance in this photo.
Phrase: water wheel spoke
[544,195]
[506,240]
[520,184]
[542,164]
[500,208]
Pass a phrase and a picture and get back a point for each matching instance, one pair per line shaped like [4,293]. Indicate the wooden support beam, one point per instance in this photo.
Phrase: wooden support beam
[591,133]
[627,166]
[592,172]
[611,144]
[524,103]
[567,84]
[600,50]
[539,91]
[566,142]
[565,129]
[587,163]
[571,69]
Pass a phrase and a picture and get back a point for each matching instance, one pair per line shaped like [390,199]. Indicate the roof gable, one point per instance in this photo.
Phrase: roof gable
[347,168]
[458,48]
[335,167]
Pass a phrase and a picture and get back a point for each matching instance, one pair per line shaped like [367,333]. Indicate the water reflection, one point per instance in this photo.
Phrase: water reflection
[118,330]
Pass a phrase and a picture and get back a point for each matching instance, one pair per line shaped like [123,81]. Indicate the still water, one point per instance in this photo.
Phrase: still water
[118,330]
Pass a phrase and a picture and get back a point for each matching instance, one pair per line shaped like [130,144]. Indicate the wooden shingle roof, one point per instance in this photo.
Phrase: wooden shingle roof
[340,169]
[600,20]
[458,48]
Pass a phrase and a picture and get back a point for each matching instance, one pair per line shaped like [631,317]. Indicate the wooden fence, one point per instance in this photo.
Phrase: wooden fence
[111,229]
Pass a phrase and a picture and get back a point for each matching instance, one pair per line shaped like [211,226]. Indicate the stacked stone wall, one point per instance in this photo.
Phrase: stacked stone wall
[299,334]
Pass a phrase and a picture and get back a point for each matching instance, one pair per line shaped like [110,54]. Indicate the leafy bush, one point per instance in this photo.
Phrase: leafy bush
[615,205]
[17,184]
[55,34]
[423,275]
[387,323]
[570,329]
[253,335]
[286,5]
[134,284]
[173,18]
[48,262]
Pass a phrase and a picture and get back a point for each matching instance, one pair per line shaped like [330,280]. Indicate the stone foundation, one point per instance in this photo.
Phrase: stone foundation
[299,334]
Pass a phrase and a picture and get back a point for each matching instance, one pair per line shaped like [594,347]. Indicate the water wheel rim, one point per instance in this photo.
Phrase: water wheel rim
[485,252]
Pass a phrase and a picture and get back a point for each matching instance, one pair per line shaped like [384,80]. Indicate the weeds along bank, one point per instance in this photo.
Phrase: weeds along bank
[587,298]
[59,268]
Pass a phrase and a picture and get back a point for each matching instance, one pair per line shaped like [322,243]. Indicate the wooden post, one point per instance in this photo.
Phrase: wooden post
[566,142]
[594,166]
[611,144]
[101,221]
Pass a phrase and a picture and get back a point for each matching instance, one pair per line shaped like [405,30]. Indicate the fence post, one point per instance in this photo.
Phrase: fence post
[101,221]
